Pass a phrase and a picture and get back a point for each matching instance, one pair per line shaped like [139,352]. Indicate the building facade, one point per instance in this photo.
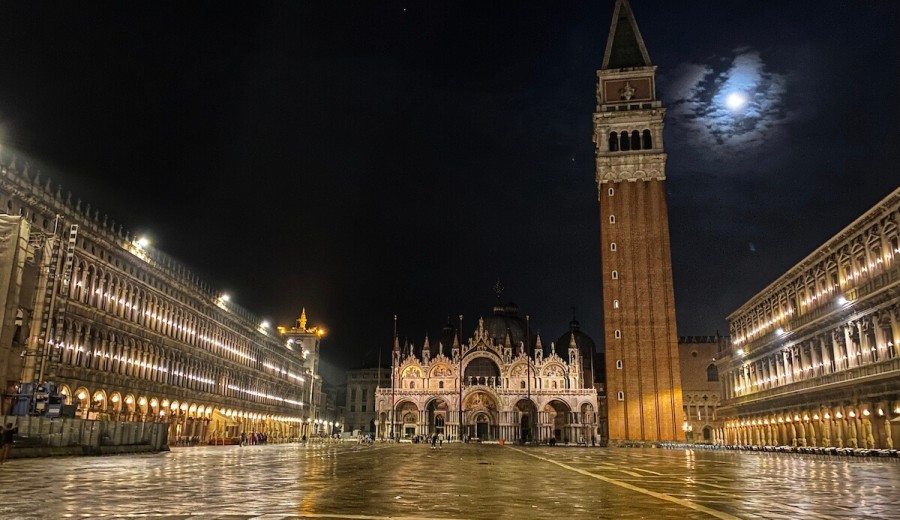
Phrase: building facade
[642,373]
[359,408]
[503,383]
[99,325]
[702,390]
[814,357]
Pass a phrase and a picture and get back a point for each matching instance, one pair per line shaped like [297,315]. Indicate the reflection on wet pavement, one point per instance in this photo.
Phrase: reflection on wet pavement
[458,481]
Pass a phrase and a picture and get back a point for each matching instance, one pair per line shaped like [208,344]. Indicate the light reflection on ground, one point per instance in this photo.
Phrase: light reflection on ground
[458,481]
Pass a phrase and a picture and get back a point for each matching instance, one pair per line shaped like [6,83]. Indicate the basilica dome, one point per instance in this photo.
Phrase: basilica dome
[505,319]
[585,343]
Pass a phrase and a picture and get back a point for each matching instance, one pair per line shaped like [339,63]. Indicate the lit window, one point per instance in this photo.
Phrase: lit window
[619,364]
[612,219]
[618,334]
[621,396]
[612,246]
[615,304]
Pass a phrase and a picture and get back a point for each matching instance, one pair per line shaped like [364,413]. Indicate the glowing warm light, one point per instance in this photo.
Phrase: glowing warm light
[82,395]
[779,331]
[320,332]
[839,415]
[740,352]
[115,399]
[143,401]
[841,300]
[264,324]
[225,297]
[142,242]
[852,413]
[866,413]
[828,416]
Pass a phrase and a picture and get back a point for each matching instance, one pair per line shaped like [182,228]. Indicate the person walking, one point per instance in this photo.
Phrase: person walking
[6,441]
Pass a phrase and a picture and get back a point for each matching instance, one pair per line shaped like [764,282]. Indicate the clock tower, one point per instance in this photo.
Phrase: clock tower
[643,382]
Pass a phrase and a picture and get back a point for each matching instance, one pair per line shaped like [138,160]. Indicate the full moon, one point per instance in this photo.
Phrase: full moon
[735,100]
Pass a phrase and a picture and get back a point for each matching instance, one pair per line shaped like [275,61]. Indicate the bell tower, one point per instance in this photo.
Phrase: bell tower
[642,371]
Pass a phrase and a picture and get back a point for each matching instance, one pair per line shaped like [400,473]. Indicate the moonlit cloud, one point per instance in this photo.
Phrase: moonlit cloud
[731,106]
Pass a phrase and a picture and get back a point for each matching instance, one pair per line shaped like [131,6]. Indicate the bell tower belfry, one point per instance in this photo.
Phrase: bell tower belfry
[643,383]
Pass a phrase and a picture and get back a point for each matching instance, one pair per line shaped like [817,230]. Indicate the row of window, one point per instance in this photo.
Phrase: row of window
[85,347]
[121,298]
[624,142]
[846,266]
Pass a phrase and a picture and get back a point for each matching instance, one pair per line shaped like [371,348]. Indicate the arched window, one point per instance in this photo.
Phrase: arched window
[712,373]
[440,384]
[619,364]
[613,142]
[611,192]
[615,304]
[522,384]
[618,334]
[412,385]
[648,141]
[612,219]
[624,143]
[615,275]
[612,246]
[620,396]
[635,140]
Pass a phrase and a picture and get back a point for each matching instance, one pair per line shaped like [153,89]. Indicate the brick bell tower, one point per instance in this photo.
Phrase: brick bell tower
[642,370]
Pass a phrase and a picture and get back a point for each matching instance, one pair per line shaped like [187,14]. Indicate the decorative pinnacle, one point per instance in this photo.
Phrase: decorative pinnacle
[302,321]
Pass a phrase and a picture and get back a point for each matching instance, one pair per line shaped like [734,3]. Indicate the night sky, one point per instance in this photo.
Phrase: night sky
[379,158]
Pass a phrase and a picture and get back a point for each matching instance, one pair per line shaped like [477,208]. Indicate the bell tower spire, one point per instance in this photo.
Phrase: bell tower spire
[643,379]
[625,47]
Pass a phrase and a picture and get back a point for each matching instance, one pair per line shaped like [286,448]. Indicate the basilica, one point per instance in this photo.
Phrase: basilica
[502,384]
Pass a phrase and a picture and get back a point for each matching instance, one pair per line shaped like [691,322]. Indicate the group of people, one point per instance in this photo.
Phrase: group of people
[6,441]
[253,439]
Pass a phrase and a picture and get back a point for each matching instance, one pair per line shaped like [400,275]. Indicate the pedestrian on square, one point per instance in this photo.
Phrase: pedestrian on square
[243,438]
[6,441]
[433,440]
[441,440]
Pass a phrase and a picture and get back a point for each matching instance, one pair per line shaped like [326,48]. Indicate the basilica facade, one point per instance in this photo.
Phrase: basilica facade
[501,384]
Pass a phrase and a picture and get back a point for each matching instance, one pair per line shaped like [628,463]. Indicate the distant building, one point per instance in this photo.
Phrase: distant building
[359,410]
[642,377]
[503,383]
[701,388]
[97,324]
[814,357]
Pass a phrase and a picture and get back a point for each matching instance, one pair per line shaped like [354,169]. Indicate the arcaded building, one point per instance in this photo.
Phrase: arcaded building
[99,325]
[502,383]
[643,384]
[814,357]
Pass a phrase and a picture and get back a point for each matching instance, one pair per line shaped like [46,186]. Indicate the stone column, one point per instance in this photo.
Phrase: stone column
[827,355]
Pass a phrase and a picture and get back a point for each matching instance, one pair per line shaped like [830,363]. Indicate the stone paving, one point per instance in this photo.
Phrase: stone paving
[460,481]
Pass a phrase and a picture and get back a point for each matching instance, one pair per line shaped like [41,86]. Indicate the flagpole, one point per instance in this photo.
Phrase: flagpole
[459,333]
[393,380]
[528,365]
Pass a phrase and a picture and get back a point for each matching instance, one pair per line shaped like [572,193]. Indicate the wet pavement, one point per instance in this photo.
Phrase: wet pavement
[409,481]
